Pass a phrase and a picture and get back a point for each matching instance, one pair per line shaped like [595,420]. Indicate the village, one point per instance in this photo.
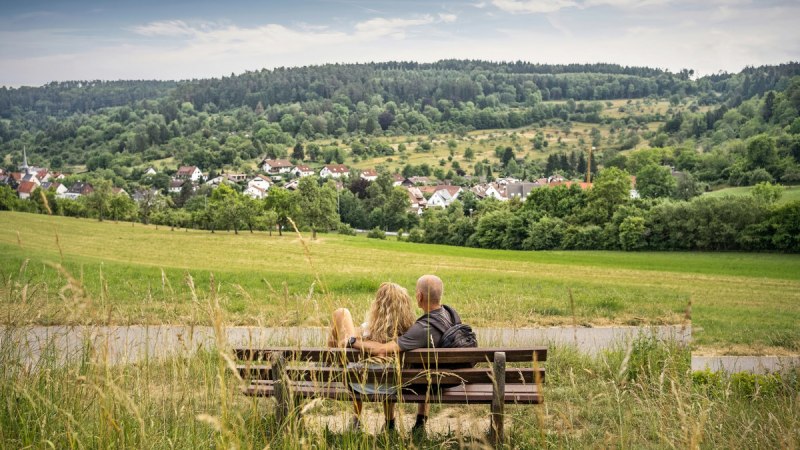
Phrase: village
[423,192]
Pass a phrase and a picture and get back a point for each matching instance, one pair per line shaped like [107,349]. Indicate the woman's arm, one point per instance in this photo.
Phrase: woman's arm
[376,348]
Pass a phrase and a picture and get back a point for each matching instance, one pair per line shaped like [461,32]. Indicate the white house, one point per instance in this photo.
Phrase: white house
[303,171]
[260,181]
[397,179]
[369,175]
[150,171]
[334,171]
[276,166]
[192,173]
[59,188]
[443,196]
[25,189]
[416,199]
[175,186]
[255,192]
[487,190]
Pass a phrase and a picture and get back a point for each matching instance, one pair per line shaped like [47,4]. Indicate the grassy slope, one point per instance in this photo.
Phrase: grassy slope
[790,193]
[138,274]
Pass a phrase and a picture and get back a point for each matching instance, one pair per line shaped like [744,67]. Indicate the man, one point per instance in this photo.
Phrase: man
[421,335]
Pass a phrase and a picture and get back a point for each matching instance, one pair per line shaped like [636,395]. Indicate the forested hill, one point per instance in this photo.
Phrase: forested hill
[481,82]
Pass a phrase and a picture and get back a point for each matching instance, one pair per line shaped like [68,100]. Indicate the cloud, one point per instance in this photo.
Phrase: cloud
[169,28]
[550,6]
[390,27]
[533,6]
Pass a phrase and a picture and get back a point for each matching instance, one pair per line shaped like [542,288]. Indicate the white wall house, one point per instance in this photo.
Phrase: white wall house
[303,171]
[260,181]
[369,175]
[276,166]
[192,173]
[255,192]
[444,196]
[334,171]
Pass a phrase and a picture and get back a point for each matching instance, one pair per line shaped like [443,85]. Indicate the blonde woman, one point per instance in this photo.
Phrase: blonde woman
[390,315]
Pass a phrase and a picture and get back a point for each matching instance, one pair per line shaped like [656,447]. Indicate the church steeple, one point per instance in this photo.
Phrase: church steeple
[25,167]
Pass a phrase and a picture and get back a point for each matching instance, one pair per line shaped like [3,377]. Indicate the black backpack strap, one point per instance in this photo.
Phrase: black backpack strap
[453,316]
[436,324]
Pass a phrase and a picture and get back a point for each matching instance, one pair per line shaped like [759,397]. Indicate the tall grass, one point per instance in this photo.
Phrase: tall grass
[636,397]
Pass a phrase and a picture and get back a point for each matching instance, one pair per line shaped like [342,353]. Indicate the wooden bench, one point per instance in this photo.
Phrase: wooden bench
[423,375]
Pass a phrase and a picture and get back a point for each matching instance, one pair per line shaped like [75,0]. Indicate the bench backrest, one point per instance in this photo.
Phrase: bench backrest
[427,358]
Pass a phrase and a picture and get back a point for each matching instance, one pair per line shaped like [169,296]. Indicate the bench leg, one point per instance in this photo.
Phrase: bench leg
[281,393]
[498,399]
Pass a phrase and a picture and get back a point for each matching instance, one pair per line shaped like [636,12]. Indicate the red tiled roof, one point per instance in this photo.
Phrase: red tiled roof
[277,163]
[186,170]
[369,173]
[337,168]
[452,190]
[26,187]
[304,168]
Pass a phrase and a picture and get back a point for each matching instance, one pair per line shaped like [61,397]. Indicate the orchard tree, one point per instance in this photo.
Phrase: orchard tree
[317,205]
[284,204]
[99,201]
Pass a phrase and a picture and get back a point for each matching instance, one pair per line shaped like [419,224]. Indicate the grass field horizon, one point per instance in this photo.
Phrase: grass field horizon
[136,274]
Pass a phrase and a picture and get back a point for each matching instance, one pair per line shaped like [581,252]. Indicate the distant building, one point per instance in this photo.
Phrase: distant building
[444,196]
[192,173]
[261,182]
[520,190]
[25,189]
[78,189]
[368,175]
[334,171]
[303,171]
[276,166]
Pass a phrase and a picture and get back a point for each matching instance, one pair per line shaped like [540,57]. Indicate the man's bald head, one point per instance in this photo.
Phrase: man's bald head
[430,288]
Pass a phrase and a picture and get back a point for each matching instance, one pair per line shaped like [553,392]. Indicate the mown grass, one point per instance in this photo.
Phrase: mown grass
[741,303]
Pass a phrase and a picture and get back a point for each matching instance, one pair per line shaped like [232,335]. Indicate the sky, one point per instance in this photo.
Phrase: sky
[44,41]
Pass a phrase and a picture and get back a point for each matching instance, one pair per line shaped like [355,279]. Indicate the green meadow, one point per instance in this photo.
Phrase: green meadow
[790,193]
[58,270]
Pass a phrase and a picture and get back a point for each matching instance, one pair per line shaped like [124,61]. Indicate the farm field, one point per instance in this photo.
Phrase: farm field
[58,270]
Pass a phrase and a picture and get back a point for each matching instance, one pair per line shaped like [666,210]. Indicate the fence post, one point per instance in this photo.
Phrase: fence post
[498,397]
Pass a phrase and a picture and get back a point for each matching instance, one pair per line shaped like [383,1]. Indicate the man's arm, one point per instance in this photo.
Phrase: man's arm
[376,348]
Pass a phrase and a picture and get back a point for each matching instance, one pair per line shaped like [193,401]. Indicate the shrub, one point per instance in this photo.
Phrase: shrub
[346,230]
[376,233]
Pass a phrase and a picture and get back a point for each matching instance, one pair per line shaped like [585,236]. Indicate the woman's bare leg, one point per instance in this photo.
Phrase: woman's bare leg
[342,327]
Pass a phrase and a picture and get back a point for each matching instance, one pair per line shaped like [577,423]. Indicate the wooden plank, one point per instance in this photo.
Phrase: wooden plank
[465,394]
[426,357]
[405,376]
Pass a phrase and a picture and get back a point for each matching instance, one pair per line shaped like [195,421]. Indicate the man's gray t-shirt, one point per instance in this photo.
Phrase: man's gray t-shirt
[422,334]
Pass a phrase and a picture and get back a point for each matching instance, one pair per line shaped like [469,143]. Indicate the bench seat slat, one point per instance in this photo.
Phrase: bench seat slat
[427,357]
[406,376]
[469,394]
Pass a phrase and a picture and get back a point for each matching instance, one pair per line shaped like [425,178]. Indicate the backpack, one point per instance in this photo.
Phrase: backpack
[460,335]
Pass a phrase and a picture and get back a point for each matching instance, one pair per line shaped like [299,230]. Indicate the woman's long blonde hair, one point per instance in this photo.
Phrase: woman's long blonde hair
[391,313]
